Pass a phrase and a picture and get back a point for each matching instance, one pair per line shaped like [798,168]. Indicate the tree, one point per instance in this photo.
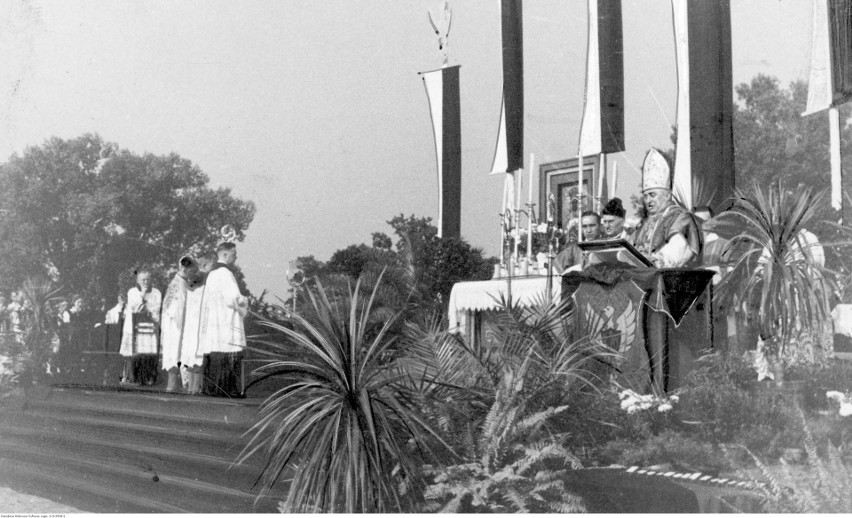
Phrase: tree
[85,211]
[774,142]
[421,270]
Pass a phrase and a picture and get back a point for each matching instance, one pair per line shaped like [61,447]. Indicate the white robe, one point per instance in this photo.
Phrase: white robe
[171,327]
[134,304]
[190,356]
[221,328]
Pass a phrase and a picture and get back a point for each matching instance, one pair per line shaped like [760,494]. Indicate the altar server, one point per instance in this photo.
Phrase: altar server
[221,331]
[173,316]
[191,357]
[139,343]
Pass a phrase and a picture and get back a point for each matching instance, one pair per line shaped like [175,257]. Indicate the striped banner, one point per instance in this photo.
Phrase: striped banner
[704,162]
[442,90]
[509,151]
[602,130]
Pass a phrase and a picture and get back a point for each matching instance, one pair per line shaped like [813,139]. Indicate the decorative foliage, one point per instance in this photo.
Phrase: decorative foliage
[29,352]
[774,270]
[844,401]
[345,426]
[823,485]
[508,391]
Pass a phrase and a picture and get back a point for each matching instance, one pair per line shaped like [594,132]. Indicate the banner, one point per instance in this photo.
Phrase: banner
[509,154]
[830,78]
[704,162]
[602,130]
[442,90]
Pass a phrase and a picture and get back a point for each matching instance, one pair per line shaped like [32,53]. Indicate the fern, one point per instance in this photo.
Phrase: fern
[820,486]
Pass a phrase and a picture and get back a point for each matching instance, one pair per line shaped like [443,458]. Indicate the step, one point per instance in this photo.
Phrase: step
[23,477]
[127,480]
[210,468]
[235,426]
[160,434]
[151,400]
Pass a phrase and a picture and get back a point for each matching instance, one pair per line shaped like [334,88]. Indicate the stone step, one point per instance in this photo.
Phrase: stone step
[161,434]
[214,467]
[125,480]
[151,401]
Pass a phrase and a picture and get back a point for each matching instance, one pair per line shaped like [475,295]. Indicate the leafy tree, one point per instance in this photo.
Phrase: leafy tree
[85,211]
[774,142]
[420,271]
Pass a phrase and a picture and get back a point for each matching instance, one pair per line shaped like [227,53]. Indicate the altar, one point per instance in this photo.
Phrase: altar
[470,301]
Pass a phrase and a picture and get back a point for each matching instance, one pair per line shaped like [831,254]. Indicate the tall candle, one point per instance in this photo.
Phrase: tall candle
[580,196]
[614,179]
[530,209]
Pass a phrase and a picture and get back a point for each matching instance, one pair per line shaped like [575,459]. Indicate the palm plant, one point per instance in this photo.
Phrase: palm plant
[31,351]
[345,427]
[774,269]
[499,399]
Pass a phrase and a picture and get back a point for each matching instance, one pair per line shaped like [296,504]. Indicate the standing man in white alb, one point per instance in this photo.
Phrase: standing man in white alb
[221,331]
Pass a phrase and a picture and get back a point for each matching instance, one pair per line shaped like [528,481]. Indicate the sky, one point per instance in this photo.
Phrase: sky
[315,112]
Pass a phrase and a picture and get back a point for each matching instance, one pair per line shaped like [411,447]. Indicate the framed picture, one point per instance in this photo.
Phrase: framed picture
[561,178]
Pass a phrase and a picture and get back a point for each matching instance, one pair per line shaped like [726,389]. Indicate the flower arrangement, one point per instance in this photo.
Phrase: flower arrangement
[844,400]
[632,402]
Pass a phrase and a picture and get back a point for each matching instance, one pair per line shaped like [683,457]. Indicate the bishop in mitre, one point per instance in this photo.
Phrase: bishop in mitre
[670,235]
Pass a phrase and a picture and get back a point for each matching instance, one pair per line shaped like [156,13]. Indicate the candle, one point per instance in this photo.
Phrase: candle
[530,209]
[614,179]
[580,197]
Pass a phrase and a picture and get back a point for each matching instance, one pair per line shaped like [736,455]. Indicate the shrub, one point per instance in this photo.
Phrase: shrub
[822,485]
[345,425]
[675,449]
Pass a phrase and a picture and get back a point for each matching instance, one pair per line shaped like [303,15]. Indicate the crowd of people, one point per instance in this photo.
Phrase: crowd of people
[195,332]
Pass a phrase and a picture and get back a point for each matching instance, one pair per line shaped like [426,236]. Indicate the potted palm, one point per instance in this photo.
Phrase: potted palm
[776,270]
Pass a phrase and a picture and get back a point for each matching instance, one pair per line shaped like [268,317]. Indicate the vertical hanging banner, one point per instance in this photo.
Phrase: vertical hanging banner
[442,90]
[509,151]
[602,129]
[704,162]
[830,82]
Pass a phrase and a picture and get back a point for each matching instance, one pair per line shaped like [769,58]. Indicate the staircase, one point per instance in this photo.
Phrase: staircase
[117,450]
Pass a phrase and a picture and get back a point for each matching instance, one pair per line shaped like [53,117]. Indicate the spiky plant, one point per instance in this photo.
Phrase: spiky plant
[31,350]
[774,268]
[345,427]
[500,398]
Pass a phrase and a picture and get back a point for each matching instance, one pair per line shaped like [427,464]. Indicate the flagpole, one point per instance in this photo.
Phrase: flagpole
[601,180]
[580,196]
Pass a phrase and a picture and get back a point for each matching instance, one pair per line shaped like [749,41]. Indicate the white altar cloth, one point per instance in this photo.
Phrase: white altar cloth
[485,295]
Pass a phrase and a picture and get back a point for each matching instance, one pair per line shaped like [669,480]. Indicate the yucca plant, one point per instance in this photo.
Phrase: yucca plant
[30,352]
[773,269]
[345,429]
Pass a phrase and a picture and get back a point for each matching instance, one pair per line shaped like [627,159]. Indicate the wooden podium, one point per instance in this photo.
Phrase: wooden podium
[659,320]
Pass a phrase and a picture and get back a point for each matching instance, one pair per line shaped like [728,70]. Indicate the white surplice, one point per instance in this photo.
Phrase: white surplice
[171,327]
[145,344]
[221,329]
[190,356]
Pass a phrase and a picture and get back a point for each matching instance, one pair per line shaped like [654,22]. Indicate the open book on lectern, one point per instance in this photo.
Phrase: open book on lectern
[614,251]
